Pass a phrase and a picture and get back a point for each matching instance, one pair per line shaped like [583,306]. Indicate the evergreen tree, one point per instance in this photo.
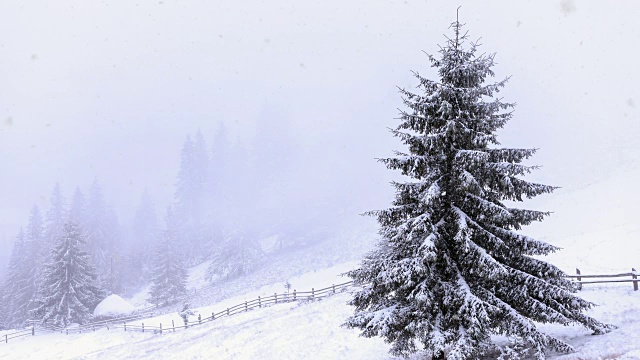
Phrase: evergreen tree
[54,222]
[23,272]
[112,272]
[220,164]
[190,195]
[32,264]
[96,227]
[70,289]
[169,272]
[237,255]
[220,183]
[201,176]
[452,268]
[101,227]
[185,186]
[78,209]
[146,232]
[13,282]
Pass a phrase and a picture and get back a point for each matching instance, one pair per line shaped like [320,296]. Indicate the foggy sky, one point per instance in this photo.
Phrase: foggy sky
[110,89]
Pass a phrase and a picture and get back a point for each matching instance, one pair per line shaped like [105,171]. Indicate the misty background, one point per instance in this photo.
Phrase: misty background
[110,91]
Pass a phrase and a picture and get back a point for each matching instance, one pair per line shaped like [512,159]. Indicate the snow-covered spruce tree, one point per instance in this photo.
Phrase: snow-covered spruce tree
[78,209]
[101,228]
[54,222]
[237,255]
[169,275]
[13,282]
[146,234]
[190,197]
[451,268]
[70,291]
[27,270]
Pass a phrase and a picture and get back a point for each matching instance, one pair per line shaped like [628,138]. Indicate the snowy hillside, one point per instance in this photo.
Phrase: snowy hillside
[309,330]
[595,223]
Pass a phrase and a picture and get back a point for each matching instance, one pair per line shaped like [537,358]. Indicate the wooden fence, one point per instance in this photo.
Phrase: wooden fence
[121,322]
[26,332]
[611,278]
[259,302]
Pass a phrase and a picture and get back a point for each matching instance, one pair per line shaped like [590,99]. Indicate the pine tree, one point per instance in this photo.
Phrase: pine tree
[13,282]
[32,268]
[96,227]
[201,176]
[23,273]
[452,268]
[190,195]
[220,184]
[146,233]
[237,255]
[70,290]
[169,272]
[54,222]
[101,228]
[78,209]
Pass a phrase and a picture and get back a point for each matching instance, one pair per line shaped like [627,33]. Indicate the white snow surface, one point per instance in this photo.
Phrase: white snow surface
[113,305]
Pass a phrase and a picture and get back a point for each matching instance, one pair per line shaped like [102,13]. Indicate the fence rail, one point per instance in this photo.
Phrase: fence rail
[240,308]
[633,274]
[17,334]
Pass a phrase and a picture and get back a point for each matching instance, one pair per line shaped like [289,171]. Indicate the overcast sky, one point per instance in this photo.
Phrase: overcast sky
[110,89]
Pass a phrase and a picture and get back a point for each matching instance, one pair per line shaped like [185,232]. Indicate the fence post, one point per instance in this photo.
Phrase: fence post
[199,319]
[173,325]
[245,307]
[579,279]
[213,316]
[334,288]
[142,327]
[312,294]
[125,326]
[227,311]
[6,339]
[294,294]
[634,277]
[160,328]
[259,302]
[276,295]
[33,330]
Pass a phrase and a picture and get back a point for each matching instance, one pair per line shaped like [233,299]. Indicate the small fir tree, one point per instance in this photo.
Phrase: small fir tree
[169,277]
[70,291]
[452,268]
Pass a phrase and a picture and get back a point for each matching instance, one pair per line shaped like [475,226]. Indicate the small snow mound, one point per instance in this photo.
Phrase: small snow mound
[113,305]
